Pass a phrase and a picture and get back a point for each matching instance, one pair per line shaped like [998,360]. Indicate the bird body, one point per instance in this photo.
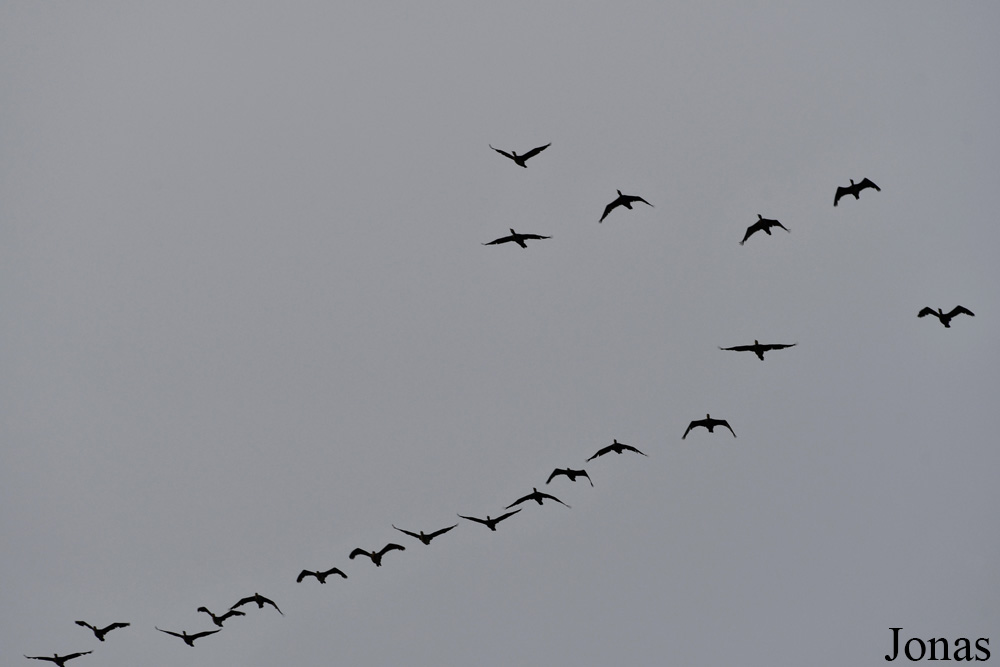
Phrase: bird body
[56,658]
[945,317]
[521,159]
[376,556]
[488,522]
[189,639]
[572,474]
[100,632]
[759,348]
[617,448]
[426,537]
[259,599]
[708,423]
[762,224]
[622,200]
[519,239]
[854,189]
[218,620]
[321,576]
[537,496]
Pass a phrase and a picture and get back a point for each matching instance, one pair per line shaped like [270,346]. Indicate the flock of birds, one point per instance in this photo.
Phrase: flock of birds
[709,423]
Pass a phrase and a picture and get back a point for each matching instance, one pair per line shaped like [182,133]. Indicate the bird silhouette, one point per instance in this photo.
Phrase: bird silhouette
[376,556]
[535,495]
[100,632]
[56,658]
[708,423]
[617,448]
[488,522]
[762,225]
[854,189]
[521,159]
[260,600]
[189,639]
[519,239]
[426,537]
[321,576]
[945,317]
[622,200]
[218,620]
[759,348]
[572,474]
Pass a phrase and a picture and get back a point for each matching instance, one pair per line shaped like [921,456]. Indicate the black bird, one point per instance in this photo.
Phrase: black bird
[519,239]
[260,600]
[854,189]
[759,348]
[100,632]
[535,495]
[488,522]
[617,448]
[218,620]
[520,159]
[56,658]
[189,639]
[622,200]
[708,423]
[764,225]
[425,537]
[321,576]
[572,474]
[945,317]
[376,556]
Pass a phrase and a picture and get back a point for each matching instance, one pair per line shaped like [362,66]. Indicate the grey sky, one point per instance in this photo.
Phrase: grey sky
[248,323]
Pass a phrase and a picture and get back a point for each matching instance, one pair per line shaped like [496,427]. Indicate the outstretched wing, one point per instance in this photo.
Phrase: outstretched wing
[359,552]
[534,236]
[84,624]
[629,448]
[755,227]
[472,518]
[557,471]
[261,598]
[960,309]
[407,532]
[440,532]
[534,151]
[841,191]
[198,635]
[610,207]
[39,657]
[175,634]
[73,655]
[545,495]
[690,426]
[241,603]
[865,183]
[518,502]
[635,198]
[734,348]
[926,310]
[114,626]
[502,239]
[601,452]
[777,346]
[723,422]
[391,547]
[335,570]
[303,574]
[504,516]
[504,153]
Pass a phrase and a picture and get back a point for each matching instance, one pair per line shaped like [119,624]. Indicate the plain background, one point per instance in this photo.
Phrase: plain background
[248,324]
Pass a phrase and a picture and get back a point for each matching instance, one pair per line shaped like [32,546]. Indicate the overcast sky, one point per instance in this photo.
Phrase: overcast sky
[248,324]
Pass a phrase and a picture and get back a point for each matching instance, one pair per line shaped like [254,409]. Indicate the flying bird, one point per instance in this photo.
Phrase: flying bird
[854,189]
[100,632]
[622,200]
[759,348]
[218,620]
[376,556]
[617,448]
[535,495]
[945,317]
[708,423]
[260,600]
[762,225]
[56,658]
[488,522]
[426,537]
[189,639]
[572,474]
[321,576]
[521,159]
[519,239]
